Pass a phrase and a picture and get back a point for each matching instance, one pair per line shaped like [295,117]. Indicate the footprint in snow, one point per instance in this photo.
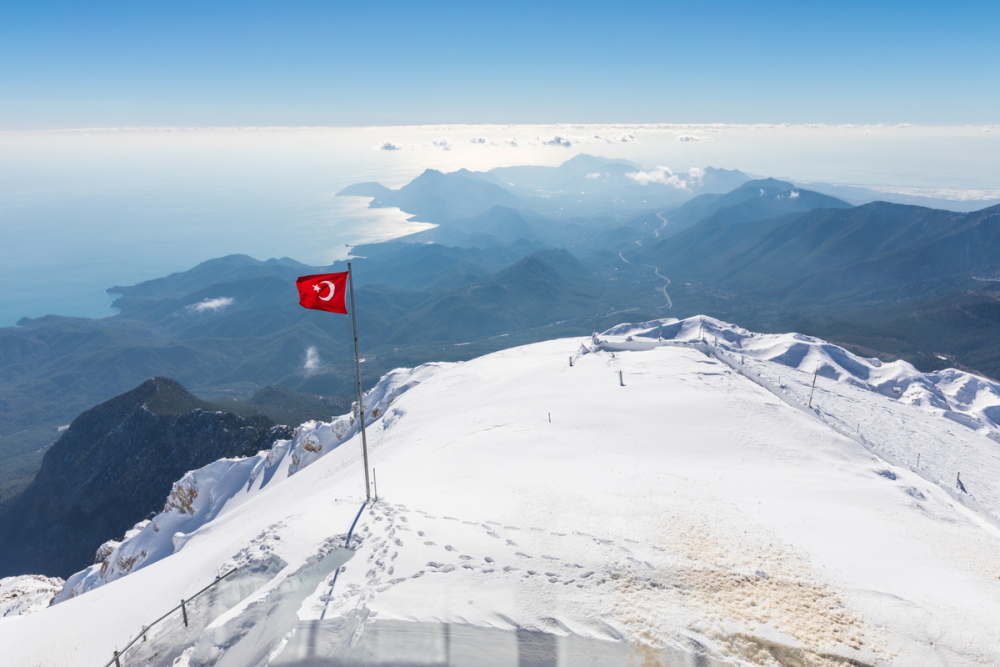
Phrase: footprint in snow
[512,543]
[448,547]
[549,557]
[451,518]
[511,528]
[398,542]
[429,544]
[489,560]
[420,533]
[492,534]
[522,554]
[464,557]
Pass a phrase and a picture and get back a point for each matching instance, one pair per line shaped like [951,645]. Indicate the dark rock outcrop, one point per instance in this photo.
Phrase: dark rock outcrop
[115,465]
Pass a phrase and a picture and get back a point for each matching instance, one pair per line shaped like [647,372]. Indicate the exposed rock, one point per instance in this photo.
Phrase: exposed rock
[113,467]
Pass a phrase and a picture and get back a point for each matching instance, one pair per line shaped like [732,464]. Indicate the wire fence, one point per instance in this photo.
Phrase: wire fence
[190,617]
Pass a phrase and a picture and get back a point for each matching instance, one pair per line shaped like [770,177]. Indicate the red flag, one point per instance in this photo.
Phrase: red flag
[323,291]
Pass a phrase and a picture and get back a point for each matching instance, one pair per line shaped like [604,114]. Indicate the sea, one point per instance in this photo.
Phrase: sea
[82,210]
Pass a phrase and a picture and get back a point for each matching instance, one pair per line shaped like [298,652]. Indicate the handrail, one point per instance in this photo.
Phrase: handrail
[116,660]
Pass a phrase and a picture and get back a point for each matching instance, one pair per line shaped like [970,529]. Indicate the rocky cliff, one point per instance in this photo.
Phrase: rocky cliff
[115,465]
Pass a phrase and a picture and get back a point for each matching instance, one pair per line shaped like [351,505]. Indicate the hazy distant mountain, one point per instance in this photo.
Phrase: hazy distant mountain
[857,195]
[871,251]
[582,186]
[435,196]
[753,200]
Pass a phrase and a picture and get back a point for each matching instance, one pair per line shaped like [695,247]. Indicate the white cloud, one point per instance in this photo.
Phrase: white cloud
[215,304]
[794,194]
[389,146]
[696,174]
[689,137]
[311,364]
[594,174]
[661,175]
[558,141]
[443,144]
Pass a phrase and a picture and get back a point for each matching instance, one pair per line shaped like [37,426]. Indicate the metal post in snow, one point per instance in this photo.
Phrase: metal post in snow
[184,612]
[621,379]
[375,484]
[571,362]
[918,459]
[361,398]
[117,664]
[815,375]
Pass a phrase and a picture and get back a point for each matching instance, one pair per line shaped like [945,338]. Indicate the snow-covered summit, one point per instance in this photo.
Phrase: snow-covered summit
[957,395]
[654,500]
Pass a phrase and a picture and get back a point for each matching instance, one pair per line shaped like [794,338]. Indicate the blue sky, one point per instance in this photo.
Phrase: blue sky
[178,63]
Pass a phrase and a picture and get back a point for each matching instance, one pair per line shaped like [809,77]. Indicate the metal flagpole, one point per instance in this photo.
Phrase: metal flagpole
[357,368]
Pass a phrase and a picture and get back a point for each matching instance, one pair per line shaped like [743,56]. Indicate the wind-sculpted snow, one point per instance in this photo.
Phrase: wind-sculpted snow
[965,398]
[202,494]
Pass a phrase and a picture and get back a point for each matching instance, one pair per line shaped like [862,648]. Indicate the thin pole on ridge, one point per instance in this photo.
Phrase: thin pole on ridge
[361,397]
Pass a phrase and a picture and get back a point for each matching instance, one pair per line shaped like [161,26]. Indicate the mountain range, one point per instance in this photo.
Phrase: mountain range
[518,255]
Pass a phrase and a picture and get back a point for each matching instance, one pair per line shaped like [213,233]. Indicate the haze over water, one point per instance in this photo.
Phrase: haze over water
[81,211]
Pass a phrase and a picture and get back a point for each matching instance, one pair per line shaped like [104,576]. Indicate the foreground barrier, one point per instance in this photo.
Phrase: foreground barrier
[189,612]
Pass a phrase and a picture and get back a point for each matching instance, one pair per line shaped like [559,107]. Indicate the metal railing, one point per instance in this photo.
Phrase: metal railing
[116,660]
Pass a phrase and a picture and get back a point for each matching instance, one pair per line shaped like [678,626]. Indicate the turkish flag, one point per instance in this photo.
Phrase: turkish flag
[323,291]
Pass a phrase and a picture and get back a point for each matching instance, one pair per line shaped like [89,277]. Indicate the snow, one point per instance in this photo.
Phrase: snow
[703,513]
[26,594]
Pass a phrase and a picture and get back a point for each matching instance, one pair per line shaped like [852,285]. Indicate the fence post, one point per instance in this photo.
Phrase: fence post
[621,379]
[117,664]
[184,612]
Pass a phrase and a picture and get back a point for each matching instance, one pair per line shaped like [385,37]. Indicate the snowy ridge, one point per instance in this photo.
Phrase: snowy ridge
[922,437]
[202,494]
[962,397]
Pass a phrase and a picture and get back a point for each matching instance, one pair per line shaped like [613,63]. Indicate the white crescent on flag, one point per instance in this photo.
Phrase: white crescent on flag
[333,290]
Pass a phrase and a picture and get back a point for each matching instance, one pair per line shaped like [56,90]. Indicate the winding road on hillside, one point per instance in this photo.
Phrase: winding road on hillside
[656,269]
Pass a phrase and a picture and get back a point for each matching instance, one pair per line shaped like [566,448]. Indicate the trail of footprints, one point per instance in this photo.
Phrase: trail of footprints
[387,529]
